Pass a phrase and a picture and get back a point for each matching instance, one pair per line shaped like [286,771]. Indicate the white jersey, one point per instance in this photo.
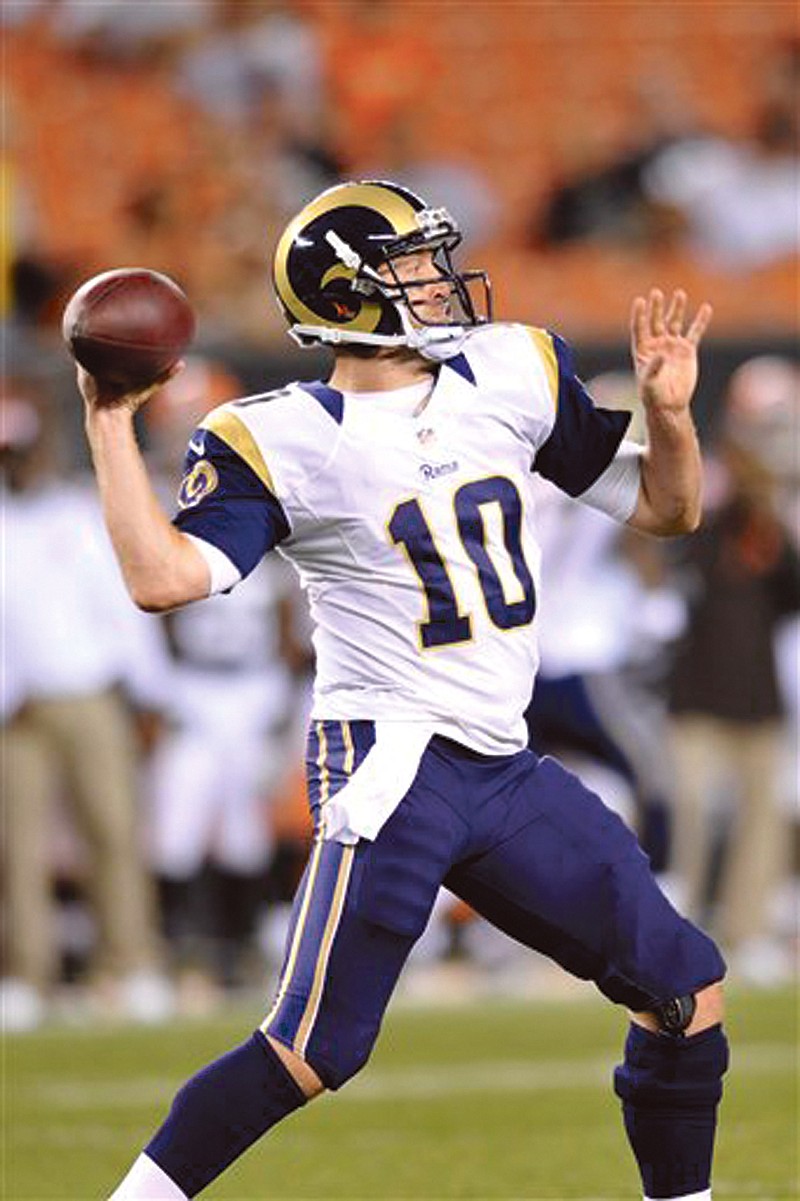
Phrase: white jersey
[414,533]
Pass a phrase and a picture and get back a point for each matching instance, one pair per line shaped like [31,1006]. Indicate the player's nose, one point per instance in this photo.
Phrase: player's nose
[438,288]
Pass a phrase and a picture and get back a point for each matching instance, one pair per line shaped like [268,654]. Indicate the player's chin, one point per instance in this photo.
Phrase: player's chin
[438,314]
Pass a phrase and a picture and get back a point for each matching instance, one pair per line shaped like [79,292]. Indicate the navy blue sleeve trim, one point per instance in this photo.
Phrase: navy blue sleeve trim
[225,503]
[331,400]
[584,439]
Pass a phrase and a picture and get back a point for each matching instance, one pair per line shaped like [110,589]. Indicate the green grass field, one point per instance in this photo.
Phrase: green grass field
[500,1100]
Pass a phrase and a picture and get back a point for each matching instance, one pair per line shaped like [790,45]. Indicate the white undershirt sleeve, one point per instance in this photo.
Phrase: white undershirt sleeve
[224,574]
[616,491]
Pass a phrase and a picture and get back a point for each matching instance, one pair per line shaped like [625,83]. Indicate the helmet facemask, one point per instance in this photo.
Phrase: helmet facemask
[465,311]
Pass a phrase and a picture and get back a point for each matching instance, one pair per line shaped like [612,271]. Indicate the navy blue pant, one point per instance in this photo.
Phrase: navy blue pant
[519,838]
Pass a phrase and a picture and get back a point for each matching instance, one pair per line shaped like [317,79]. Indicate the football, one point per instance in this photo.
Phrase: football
[128,327]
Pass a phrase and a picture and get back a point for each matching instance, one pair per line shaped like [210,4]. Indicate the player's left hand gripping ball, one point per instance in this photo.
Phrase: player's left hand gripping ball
[128,328]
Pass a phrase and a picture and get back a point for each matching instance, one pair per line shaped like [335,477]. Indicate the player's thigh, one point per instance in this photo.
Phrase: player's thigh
[358,912]
[574,884]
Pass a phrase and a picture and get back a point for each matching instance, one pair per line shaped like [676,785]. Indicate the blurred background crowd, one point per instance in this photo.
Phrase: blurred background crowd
[153,803]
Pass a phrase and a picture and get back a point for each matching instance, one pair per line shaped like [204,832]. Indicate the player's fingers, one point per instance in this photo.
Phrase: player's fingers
[655,308]
[140,397]
[171,372]
[676,313]
[700,323]
[135,400]
[87,387]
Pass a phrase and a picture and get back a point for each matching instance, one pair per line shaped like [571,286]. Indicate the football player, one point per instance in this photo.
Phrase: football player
[401,491]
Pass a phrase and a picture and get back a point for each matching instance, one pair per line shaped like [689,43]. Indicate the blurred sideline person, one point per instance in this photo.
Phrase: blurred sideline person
[72,642]
[605,619]
[401,491]
[742,577]
[224,752]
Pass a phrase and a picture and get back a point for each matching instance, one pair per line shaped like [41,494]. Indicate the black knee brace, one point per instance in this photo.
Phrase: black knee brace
[675,1015]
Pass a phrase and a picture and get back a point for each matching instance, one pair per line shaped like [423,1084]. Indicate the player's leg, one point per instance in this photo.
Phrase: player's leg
[670,1084]
[339,973]
[229,1104]
[357,914]
[572,882]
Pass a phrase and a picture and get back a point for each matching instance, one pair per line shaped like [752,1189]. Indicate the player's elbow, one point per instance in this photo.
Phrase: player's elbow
[678,522]
[154,599]
[667,515]
[160,593]
[691,521]
[151,604]
[174,578]
[673,524]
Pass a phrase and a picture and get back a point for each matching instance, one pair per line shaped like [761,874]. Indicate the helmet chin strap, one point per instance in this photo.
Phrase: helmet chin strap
[436,343]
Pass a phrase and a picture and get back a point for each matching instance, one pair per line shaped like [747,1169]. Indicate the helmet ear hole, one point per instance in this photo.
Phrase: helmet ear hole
[339,298]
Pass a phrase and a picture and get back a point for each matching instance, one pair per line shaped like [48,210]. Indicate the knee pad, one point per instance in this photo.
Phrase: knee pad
[662,1072]
[335,1065]
[670,1088]
[221,1111]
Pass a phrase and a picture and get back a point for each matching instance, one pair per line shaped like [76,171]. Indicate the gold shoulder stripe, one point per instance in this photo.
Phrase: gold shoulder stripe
[544,345]
[231,429]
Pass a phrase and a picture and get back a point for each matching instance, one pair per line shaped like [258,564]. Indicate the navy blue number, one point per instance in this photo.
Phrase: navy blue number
[444,623]
[468,500]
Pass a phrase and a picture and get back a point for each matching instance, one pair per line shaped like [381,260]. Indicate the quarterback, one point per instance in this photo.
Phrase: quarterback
[401,490]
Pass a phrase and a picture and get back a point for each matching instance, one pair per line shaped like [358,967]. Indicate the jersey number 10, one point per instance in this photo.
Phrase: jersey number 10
[445,623]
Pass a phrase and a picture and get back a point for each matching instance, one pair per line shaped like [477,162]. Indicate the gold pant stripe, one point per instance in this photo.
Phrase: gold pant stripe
[298,933]
[349,748]
[322,764]
[310,1012]
[331,926]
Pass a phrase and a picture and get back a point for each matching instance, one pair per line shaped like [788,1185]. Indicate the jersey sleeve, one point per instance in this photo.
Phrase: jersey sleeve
[584,438]
[616,491]
[226,498]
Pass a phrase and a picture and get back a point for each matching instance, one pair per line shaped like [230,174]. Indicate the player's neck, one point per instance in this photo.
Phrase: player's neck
[384,373]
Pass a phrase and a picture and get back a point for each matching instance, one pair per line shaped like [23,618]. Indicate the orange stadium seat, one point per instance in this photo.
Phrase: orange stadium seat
[521,91]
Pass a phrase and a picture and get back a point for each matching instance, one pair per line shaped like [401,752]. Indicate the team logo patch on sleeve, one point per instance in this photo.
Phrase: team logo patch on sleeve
[197,483]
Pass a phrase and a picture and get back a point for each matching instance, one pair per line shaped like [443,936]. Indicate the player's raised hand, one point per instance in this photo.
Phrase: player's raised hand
[664,349]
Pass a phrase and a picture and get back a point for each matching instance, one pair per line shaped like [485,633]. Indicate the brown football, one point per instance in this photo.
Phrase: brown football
[128,327]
